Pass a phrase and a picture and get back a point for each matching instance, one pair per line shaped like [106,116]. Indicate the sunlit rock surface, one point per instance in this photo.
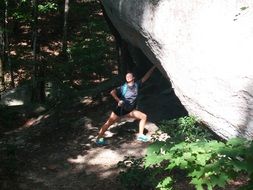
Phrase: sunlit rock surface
[16,97]
[205,47]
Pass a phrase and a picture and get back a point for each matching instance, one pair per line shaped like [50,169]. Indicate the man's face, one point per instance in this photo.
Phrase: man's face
[129,77]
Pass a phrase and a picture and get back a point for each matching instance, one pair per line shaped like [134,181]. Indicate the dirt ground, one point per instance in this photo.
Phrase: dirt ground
[56,149]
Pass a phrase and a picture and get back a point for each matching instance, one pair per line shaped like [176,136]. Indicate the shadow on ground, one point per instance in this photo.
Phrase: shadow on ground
[57,151]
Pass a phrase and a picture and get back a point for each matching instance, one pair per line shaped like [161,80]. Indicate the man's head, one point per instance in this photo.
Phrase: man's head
[129,77]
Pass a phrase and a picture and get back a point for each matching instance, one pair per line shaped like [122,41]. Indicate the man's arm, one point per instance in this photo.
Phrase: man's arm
[148,74]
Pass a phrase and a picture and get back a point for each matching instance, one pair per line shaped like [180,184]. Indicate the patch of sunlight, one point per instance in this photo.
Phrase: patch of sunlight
[85,46]
[99,13]
[77,82]
[91,137]
[109,134]
[79,160]
[86,100]
[87,39]
[123,120]
[34,121]
[85,1]
[13,102]
[23,44]
[99,33]
[13,53]
[110,39]
[95,157]
[100,80]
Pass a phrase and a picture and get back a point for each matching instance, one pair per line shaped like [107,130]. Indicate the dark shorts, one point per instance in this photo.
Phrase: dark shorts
[120,111]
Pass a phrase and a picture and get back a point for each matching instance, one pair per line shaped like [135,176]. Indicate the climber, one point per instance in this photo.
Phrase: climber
[126,98]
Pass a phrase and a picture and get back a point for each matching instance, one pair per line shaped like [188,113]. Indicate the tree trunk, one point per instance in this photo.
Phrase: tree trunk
[38,78]
[35,89]
[2,85]
[7,47]
[65,28]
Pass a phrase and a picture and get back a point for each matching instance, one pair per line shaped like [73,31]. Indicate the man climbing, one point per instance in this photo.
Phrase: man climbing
[126,97]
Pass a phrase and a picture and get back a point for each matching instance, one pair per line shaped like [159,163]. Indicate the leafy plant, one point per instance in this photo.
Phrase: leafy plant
[186,129]
[208,164]
[135,176]
[47,7]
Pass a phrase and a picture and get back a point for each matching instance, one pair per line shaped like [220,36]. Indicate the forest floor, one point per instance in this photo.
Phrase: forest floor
[47,153]
[56,149]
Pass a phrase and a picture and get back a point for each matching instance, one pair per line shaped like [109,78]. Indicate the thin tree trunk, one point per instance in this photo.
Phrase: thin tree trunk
[2,85]
[7,47]
[35,96]
[38,83]
[65,28]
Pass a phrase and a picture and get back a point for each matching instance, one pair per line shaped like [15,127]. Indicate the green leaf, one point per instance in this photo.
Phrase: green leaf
[155,147]
[196,173]
[165,184]
[187,156]
[219,180]
[215,145]
[184,164]
[171,166]
[236,141]
[238,166]
[202,159]
[197,183]
[179,146]
[154,159]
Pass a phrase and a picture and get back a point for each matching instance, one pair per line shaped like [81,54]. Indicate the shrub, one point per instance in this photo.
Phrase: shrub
[208,164]
[135,176]
[186,129]
[192,150]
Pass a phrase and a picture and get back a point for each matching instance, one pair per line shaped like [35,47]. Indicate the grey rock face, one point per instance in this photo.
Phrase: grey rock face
[205,47]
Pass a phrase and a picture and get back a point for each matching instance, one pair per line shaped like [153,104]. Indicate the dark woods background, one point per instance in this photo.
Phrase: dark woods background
[53,45]
[50,50]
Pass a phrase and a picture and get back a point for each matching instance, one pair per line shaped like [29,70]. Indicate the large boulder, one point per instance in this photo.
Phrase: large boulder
[205,48]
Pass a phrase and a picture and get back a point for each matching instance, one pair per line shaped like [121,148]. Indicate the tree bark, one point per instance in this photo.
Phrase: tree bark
[38,78]
[65,28]
[7,46]
[2,85]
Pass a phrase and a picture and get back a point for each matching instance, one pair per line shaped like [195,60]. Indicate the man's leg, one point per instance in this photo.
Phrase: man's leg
[112,119]
[140,116]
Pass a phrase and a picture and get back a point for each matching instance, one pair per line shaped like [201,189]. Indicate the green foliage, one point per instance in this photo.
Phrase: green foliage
[185,128]
[22,11]
[89,55]
[165,184]
[134,176]
[47,7]
[208,163]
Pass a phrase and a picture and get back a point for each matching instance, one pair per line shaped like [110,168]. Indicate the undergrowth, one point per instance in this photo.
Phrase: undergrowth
[206,161]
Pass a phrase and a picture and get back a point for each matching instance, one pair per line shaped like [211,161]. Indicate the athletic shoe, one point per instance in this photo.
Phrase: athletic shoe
[143,138]
[101,141]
